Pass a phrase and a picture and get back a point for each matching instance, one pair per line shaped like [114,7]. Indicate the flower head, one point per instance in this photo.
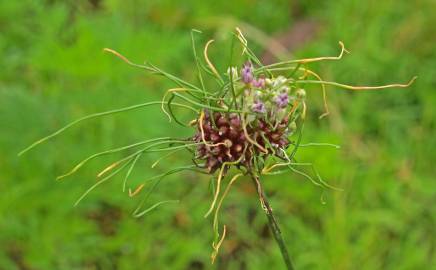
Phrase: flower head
[282,100]
[259,82]
[247,73]
[258,107]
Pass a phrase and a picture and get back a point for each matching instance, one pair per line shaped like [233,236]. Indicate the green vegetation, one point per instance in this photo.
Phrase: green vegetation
[53,71]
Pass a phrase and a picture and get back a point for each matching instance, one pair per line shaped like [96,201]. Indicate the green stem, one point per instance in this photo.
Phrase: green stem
[272,222]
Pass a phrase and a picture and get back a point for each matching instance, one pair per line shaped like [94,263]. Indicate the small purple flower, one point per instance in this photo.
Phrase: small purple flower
[258,107]
[260,82]
[247,73]
[282,100]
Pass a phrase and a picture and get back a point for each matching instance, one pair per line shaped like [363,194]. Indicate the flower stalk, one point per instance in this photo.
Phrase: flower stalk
[272,221]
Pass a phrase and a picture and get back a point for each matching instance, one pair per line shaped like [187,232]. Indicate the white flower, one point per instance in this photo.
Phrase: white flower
[233,71]
[280,80]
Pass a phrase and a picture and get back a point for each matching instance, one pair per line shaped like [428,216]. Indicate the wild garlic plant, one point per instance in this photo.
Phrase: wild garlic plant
[250,124]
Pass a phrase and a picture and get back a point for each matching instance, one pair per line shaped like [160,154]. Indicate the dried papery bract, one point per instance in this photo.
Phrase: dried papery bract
[250,124]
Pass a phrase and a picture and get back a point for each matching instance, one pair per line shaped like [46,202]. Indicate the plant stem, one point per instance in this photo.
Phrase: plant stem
[272,222]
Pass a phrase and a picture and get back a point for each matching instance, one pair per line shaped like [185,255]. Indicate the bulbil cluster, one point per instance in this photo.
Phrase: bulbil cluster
[223,137]
[262,127]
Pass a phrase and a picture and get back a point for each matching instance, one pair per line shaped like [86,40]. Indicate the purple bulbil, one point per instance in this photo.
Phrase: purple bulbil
[247,73]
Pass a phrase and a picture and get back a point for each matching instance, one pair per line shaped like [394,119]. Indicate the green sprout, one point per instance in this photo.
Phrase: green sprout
[252,122]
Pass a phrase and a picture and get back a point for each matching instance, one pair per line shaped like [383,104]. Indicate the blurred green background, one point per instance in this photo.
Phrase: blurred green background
[53,70]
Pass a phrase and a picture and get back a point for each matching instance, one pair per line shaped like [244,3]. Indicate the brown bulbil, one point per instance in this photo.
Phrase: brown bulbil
[222,121]
[223,130]
[227,142]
